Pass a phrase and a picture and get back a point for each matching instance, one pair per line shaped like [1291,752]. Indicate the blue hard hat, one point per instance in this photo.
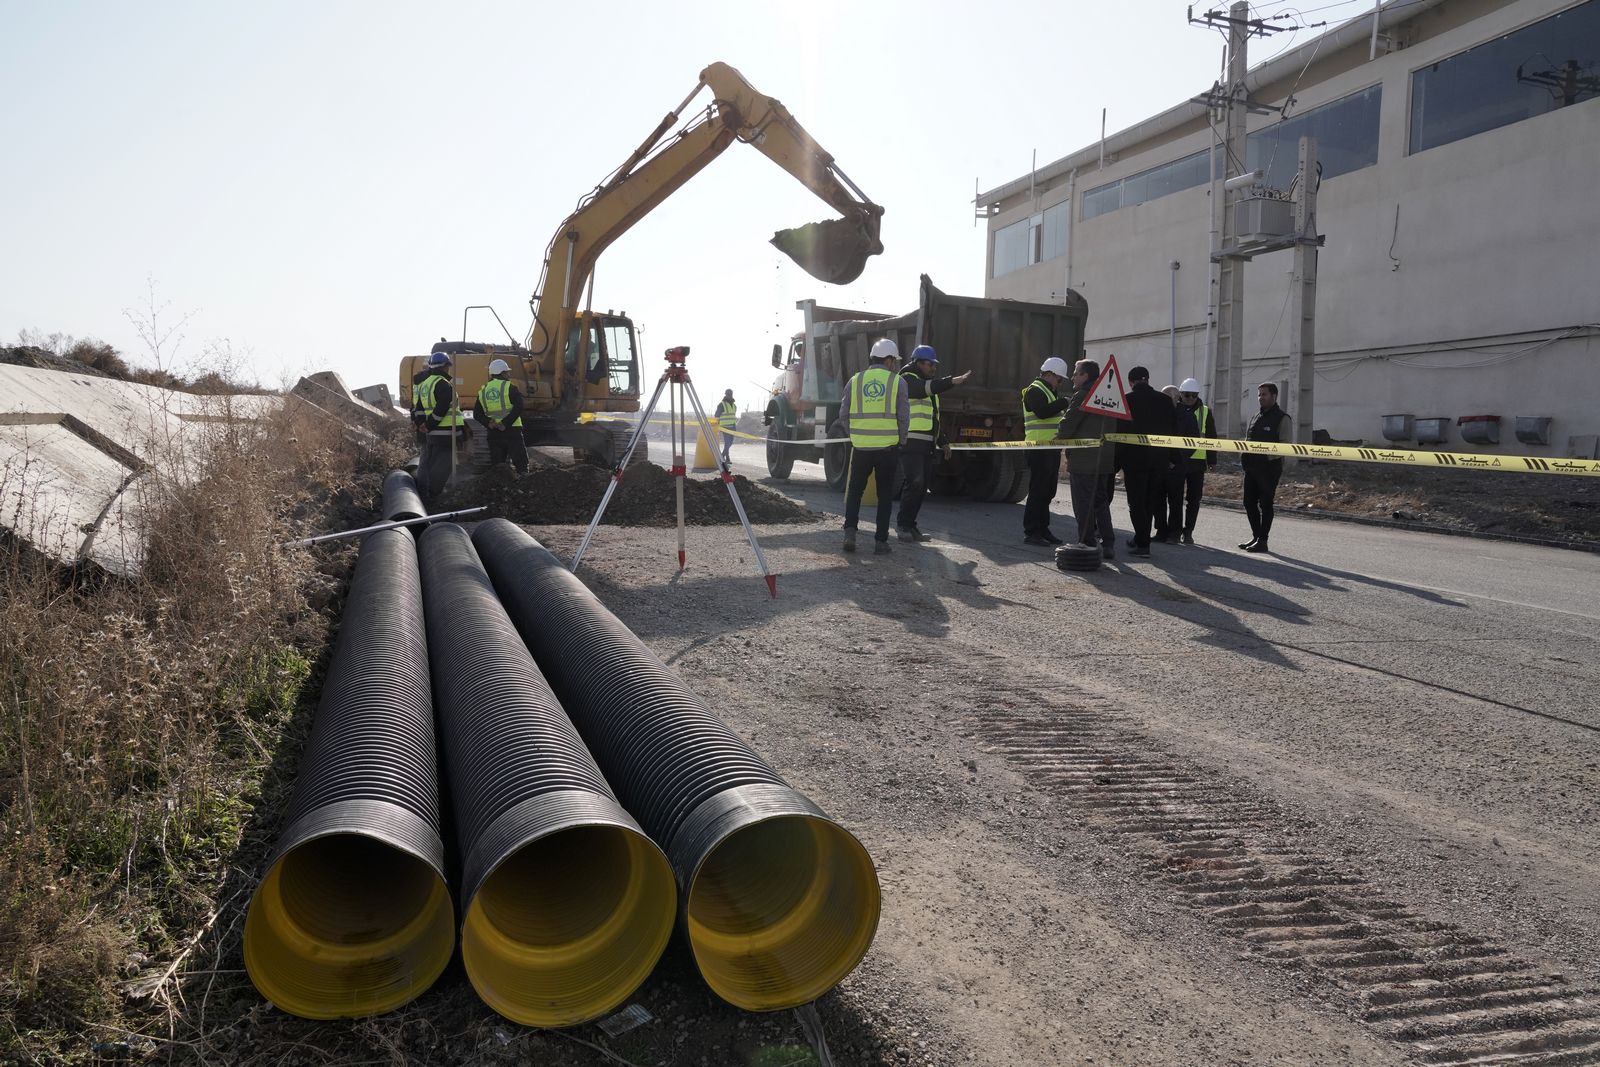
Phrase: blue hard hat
[439,359]
[924,352]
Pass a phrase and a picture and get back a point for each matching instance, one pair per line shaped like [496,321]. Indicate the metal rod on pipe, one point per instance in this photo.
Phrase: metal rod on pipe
[384,526]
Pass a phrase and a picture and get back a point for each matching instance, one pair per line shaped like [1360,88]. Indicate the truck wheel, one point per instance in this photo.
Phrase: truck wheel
[992,477]
[836,465]
[1019,488]
[780,457]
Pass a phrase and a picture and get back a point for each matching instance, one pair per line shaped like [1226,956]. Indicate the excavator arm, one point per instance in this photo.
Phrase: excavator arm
[834,251]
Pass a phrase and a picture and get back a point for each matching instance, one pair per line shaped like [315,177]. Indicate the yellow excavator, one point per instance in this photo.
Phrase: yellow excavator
[577,364]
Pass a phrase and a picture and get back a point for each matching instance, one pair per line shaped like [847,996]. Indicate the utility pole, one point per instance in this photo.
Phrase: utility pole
[1225,355]
[1228,271]
[1303,295]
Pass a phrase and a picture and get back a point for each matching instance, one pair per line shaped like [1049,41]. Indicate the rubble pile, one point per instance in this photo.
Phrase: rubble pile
[569,495]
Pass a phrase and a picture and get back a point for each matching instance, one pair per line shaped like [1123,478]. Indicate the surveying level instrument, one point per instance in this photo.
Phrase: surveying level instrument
[677,376]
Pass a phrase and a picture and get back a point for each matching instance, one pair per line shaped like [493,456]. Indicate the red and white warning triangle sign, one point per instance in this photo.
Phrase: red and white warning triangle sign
[1106,395]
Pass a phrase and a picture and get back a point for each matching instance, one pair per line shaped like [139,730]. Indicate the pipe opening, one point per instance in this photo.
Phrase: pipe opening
[569,925]
[346,925]
[781,911]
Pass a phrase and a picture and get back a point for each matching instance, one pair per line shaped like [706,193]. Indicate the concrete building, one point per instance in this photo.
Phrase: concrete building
[1461,271]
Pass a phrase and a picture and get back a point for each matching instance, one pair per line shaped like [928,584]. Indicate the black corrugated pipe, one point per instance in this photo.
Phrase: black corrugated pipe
[400,498]
[354,915]
[568,904]
[778,901]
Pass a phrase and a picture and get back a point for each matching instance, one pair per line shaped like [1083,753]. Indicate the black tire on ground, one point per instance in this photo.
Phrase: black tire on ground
[780,458]
[836,465]
[1071,557]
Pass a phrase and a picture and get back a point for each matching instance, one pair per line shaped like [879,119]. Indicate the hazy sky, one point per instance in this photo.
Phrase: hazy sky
[327,185]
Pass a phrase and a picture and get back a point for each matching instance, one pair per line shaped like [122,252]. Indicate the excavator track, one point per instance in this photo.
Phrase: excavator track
[1448,997]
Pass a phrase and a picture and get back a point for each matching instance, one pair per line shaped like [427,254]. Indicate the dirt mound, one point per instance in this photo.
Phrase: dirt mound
[568,496]
[1554,508]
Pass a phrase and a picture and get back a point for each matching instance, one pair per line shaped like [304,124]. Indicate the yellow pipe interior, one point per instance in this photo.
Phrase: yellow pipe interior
[346,926]
[568,926]
[781,911]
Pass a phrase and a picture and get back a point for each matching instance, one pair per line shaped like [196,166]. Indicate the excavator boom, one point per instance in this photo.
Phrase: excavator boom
[834,251]
[580,364]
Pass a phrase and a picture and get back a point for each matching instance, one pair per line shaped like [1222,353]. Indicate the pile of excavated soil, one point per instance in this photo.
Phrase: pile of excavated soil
[568,496]
[1549,507]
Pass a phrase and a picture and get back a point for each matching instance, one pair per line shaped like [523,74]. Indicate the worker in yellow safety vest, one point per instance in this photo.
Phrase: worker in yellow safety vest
[1044,402]
[876,417]
[499,408]
[1194,420]
[727,418]
[438,421]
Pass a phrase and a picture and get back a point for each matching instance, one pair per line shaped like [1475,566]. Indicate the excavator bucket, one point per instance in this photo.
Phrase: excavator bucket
[834,251]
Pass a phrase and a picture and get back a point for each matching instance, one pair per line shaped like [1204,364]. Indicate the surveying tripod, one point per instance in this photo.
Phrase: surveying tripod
[677,376]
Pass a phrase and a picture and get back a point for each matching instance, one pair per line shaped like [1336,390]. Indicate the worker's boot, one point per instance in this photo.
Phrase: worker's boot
[849,540]
[881,548]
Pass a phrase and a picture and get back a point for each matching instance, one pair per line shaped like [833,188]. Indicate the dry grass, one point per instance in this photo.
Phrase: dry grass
[139,722]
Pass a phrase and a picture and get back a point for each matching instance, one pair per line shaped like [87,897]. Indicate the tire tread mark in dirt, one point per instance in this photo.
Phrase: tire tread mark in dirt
[1450,998]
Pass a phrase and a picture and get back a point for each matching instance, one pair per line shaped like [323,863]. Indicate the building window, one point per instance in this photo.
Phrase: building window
[1053,235]
[1102,200]
[1152,184]
[1347,139]
[1551,64]
[1011,248]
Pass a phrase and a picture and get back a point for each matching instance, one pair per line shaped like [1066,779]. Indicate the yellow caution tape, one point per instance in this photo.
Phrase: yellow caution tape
[1346,453]
[1405,457]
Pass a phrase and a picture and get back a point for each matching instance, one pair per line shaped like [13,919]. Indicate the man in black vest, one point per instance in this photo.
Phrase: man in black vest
[922,438]
[1261,473]
[1144,467]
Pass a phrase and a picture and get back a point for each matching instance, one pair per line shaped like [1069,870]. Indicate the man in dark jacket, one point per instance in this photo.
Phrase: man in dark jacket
[923,436]
[1261,473]
[1087,466]
[1144,467]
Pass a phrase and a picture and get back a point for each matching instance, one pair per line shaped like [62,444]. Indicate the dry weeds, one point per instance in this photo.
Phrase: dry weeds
[140,728]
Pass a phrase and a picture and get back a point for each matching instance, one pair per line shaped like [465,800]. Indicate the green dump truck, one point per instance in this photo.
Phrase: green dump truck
[1002,342]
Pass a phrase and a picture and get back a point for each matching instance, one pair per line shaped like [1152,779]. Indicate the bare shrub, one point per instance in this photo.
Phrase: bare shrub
[138,719]
[99,355]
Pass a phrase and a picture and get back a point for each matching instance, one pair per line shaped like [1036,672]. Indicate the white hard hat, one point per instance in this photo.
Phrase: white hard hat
[1055,365]
[885,348]
[499,366]
[1189,386]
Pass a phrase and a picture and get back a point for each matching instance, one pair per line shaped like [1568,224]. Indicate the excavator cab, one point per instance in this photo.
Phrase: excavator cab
[602,362]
